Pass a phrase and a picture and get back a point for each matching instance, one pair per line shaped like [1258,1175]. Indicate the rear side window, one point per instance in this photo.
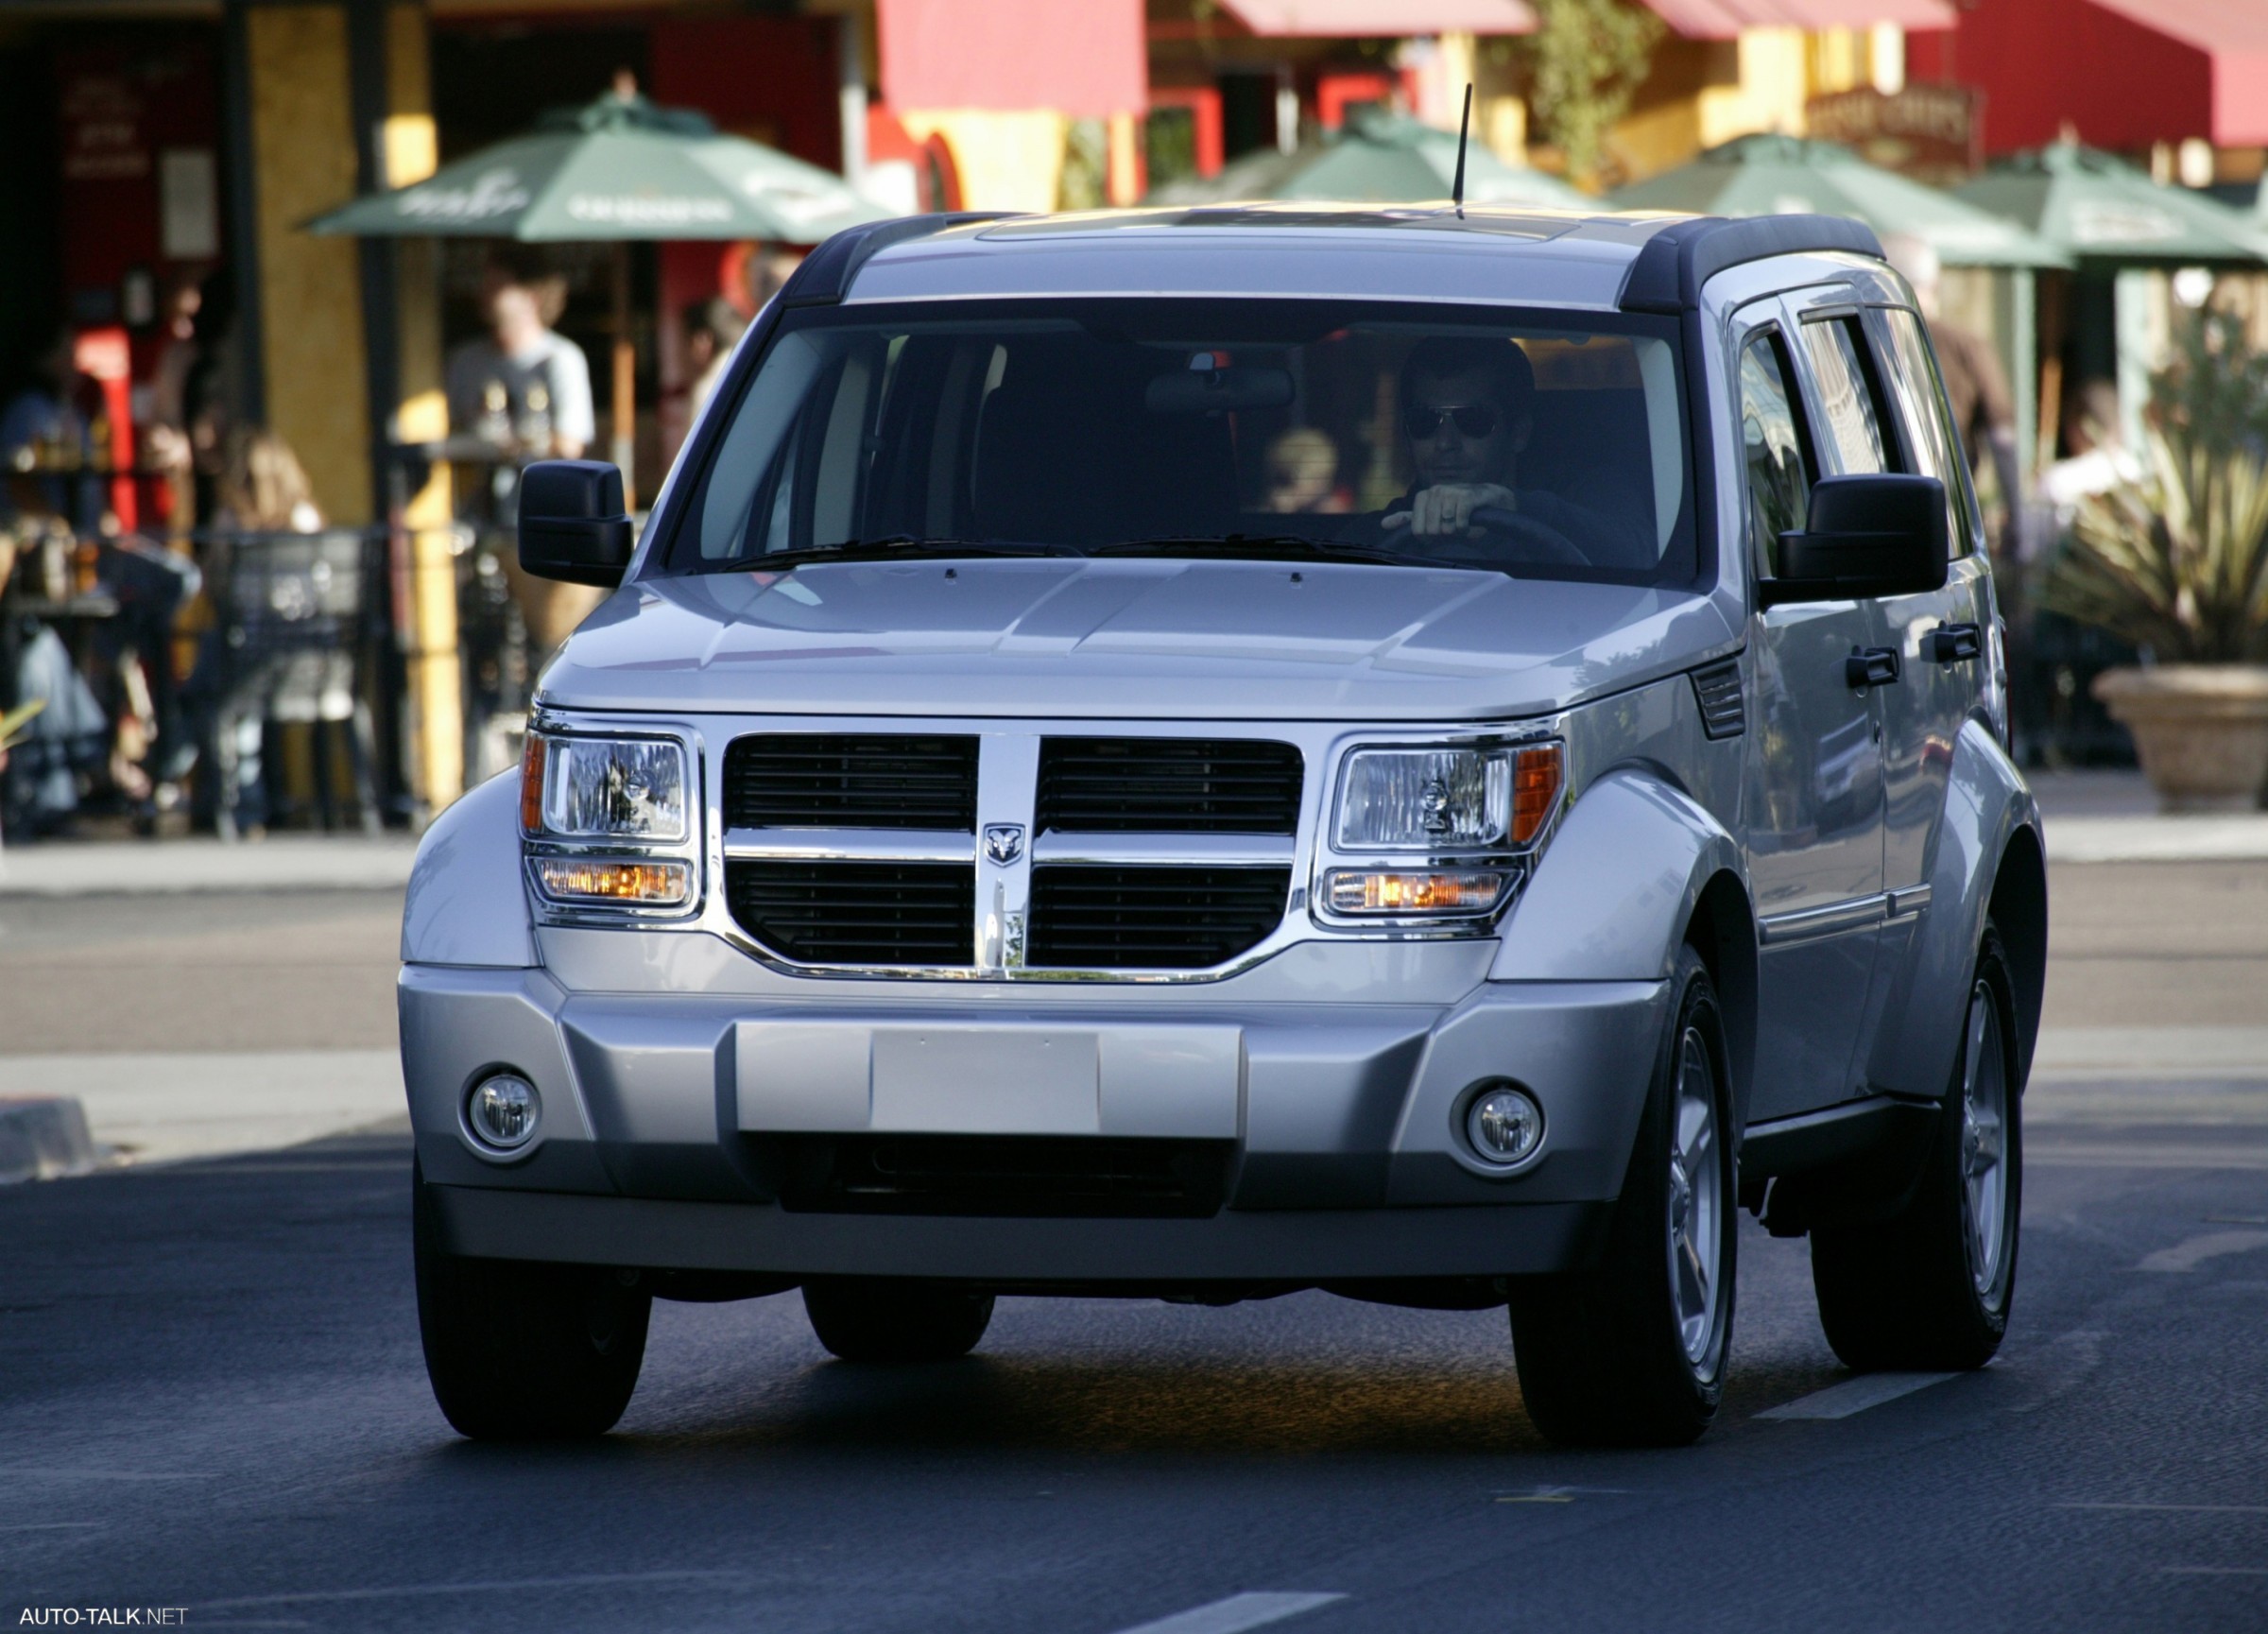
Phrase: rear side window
[1772,445]
[1850,398]
[1929,424]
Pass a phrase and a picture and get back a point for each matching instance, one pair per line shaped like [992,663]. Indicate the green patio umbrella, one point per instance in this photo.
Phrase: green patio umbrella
[1385,159]
[620,170]
[2099,209]
[1781,174]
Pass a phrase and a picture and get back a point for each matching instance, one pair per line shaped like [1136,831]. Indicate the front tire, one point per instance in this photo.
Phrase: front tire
[1930,1289]
[1632,1352]
[520,1351]
[882,1319]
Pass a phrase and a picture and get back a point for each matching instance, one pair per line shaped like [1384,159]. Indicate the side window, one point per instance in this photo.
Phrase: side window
[1772,443]
[1850,397]
[1929,423]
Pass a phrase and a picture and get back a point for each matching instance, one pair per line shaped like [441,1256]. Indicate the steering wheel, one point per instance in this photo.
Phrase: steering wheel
[1522,529]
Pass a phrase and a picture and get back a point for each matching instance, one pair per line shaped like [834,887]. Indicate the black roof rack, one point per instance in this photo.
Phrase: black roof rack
[1678,261]
[825,274]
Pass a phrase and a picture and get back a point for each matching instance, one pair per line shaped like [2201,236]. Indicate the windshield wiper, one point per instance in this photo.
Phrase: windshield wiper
[1263,547]
[898,547]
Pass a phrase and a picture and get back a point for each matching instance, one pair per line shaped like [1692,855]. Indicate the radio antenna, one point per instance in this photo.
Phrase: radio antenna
[1456,188]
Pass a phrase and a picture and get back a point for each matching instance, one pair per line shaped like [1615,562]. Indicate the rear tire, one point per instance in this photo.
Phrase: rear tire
[1930,1289]
[521,1351]
[1631,1352]
[883,1319]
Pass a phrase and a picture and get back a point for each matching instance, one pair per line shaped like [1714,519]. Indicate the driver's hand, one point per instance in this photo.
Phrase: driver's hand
[1445,508]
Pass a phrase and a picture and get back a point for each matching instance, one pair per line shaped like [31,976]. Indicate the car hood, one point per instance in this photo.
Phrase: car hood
[1068,637]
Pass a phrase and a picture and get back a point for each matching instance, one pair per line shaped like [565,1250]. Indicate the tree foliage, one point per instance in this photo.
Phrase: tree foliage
[1585,61]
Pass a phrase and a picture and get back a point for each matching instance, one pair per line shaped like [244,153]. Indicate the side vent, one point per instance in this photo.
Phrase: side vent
[1717,690]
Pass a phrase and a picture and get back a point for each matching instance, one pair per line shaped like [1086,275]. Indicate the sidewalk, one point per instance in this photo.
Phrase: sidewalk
[142,868]
[2112,816]
[2092,817]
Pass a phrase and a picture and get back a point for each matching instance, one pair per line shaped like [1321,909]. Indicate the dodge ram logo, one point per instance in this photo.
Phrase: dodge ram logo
[1004,842]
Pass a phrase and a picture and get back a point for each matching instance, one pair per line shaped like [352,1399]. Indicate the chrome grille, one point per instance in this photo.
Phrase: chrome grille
[794,780]
[1168,786]
[1151,918]
[856,913]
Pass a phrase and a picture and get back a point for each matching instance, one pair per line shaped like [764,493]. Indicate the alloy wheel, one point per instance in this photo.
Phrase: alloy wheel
[1984,1140]
[1697,1199]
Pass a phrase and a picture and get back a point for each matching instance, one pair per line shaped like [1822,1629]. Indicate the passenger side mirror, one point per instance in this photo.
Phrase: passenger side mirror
[572,523]
[1879,535]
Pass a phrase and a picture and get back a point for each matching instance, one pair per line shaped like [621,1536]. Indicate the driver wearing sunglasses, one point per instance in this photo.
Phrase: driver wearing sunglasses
[1468,412]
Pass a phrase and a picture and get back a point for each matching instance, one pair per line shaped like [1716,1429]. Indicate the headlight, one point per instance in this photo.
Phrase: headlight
[603,788]
[1447,800]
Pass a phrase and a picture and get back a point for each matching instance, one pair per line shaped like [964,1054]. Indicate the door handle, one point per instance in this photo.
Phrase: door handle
[1956,642]
[1870,666]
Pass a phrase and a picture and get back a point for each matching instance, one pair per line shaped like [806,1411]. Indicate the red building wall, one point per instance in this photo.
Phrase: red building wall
[2043,63]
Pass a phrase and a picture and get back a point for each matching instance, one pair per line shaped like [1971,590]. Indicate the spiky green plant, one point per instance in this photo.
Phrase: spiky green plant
[2175,561]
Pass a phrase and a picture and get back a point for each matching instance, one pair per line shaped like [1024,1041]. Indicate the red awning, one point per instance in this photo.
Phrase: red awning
[2233,37]
[1380,19]
[1726,18]
[1088,61]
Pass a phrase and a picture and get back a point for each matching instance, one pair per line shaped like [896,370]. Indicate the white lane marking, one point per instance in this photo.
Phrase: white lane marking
[43,1472]
[2211,1245]
[1235,1614]
[2177,1508]
[1855,1395]
[2216,1571]
[477,1586]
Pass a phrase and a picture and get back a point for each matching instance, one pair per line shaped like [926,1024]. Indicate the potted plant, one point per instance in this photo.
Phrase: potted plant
[2175,561]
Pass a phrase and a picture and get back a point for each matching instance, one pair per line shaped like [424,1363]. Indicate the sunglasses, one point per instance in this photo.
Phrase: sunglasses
[1475,420]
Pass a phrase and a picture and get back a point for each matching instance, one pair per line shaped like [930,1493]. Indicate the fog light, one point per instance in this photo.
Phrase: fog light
[579,879]
[503,1111]
[1390,892]
[1506,1126]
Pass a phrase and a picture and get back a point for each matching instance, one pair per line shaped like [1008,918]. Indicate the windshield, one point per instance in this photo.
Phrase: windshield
[1544,445]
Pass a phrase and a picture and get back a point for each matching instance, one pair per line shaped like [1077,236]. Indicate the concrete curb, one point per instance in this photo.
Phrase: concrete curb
[43,1137]
[283,863]
[2238,837]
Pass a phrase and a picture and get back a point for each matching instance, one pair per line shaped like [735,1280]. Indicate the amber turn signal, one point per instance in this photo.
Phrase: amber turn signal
[532,784]
[1536,777]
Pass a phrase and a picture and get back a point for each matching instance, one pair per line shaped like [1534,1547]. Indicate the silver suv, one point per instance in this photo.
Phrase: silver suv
[1202,754]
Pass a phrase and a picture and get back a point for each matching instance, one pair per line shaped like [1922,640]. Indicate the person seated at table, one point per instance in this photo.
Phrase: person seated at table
[46,434]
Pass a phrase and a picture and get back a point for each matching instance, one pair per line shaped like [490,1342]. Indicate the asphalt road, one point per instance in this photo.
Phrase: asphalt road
[212,1397]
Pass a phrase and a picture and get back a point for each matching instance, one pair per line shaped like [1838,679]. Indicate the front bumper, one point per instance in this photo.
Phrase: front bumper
[1340,1118]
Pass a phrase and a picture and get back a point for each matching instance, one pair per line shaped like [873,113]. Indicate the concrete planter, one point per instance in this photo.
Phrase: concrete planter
[2200,728]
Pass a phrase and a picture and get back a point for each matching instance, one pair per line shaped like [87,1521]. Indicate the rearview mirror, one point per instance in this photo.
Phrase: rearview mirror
[573,523]
[1879,535]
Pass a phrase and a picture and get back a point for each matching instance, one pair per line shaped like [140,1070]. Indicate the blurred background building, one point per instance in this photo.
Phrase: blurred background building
[166,155]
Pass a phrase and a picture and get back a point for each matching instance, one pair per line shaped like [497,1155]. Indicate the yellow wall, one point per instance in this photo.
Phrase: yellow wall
[1760,84]
[1011,161]
[310,288]
[436,693]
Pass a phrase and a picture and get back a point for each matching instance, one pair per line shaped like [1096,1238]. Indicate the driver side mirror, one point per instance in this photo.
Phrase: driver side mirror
[572,523]
[1877,535]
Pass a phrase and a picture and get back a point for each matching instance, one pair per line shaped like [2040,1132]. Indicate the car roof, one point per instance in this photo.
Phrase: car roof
[1495,254]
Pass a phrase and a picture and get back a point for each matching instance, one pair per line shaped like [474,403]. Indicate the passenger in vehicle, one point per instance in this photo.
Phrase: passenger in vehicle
[1468,412]
[1303,473]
